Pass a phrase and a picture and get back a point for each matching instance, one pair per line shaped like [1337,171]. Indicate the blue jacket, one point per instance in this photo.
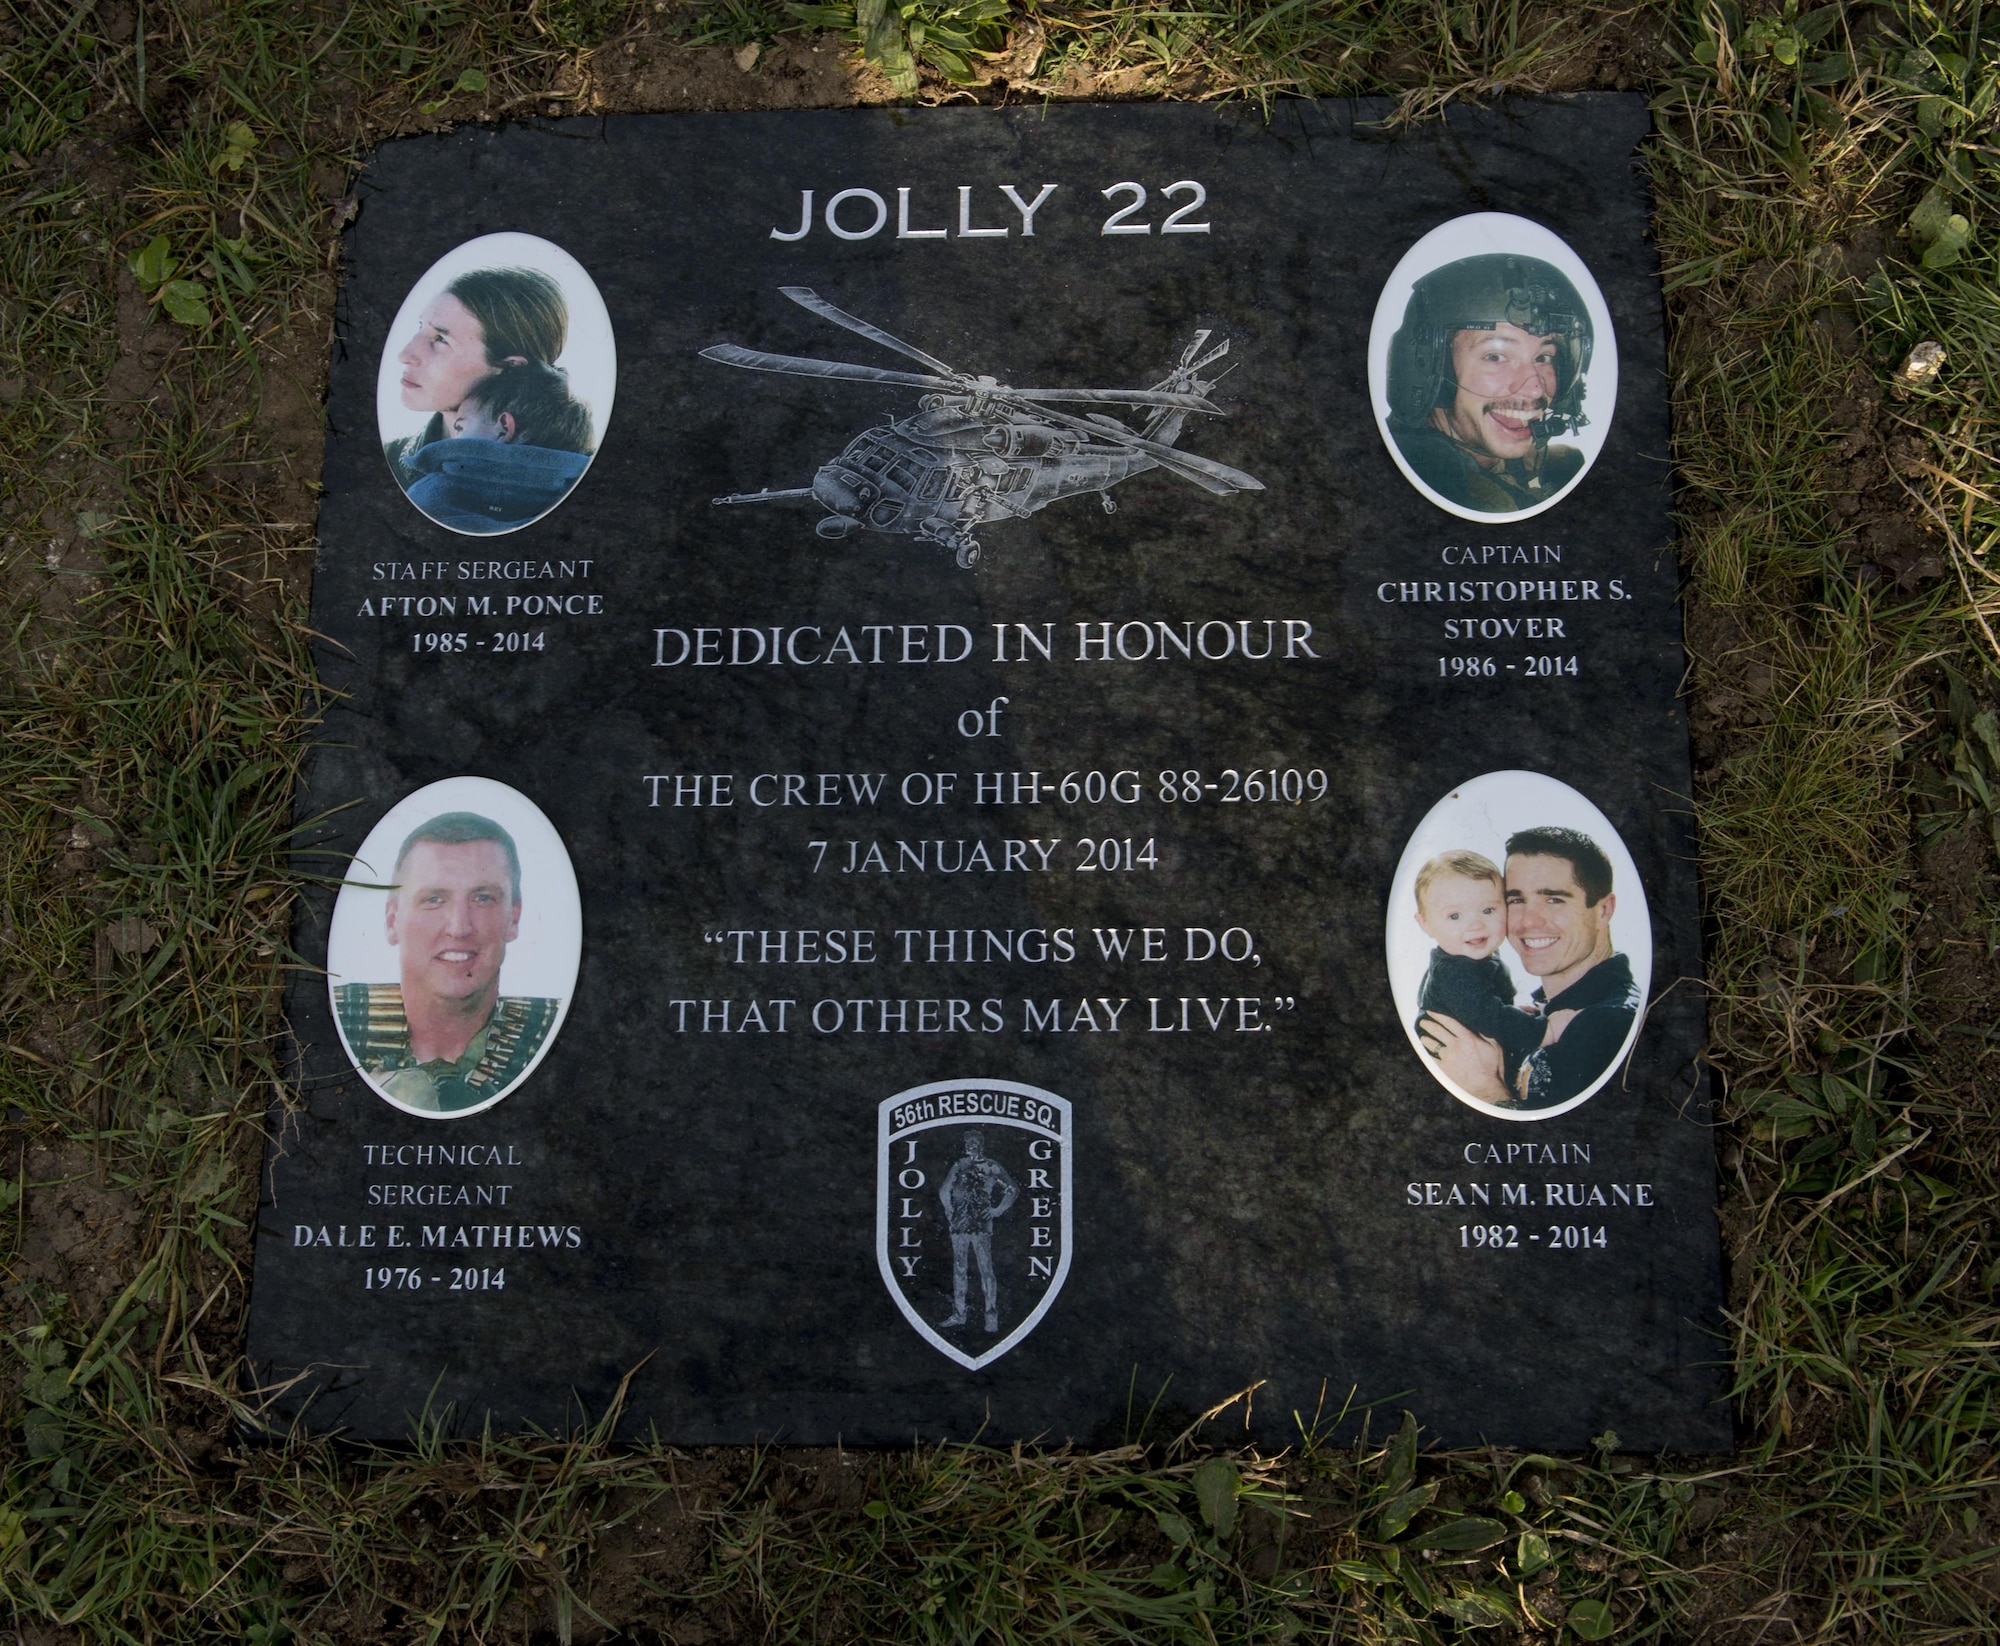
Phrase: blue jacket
[487,485]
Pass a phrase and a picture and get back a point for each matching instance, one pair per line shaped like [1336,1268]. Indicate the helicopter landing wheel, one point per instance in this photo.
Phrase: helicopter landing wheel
[1110,503]
[967,556]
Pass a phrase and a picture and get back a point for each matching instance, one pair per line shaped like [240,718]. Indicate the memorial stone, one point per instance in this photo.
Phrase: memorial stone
[989,765]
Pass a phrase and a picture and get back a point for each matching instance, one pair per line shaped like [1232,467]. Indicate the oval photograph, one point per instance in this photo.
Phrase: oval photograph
[1520,949]
[496,383]
[454,947]
[1492,367]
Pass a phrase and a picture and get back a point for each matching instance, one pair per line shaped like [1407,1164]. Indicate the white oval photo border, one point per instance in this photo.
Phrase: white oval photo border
[543,961]
[590,353]
[1479,816]
[1477,235]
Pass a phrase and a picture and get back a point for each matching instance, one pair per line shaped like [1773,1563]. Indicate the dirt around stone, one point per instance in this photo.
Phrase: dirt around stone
[81,1233]
[796,72]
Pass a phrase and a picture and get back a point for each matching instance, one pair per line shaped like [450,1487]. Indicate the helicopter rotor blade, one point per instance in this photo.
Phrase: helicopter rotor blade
[1205,472]
[1122,397]
[1219,478]
[731,354]
[793,496]
[807,298]
[1209,358]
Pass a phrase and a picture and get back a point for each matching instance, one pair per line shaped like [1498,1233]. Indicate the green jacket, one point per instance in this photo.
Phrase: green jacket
[378,1038]
[1451,471]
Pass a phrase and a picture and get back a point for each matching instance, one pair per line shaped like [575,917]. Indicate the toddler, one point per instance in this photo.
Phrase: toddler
[514,446]
[528,404]
[1462,907]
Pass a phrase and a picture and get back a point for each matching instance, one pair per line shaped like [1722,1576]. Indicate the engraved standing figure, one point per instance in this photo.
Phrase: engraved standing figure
[975,1192]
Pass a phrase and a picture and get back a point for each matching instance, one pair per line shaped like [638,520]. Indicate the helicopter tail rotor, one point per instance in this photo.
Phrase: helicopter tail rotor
[1164,424]
[1209,358]
[1186,378]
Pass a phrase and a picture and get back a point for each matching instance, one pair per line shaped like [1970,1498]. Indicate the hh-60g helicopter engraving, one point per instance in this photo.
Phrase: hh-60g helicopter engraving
[977,450]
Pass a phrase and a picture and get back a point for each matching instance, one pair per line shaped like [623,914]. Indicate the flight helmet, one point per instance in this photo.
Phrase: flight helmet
[1477,294]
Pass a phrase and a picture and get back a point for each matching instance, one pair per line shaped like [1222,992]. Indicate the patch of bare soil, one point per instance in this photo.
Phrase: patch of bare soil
[1632,52]
[1958,891]
[1735,683]
[666,1544]
[147,344]
[80,1233]
[1868,450]
[642,1565]
[797,72]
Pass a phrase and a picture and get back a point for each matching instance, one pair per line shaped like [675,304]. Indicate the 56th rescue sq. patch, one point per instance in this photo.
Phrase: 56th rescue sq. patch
[972,1211]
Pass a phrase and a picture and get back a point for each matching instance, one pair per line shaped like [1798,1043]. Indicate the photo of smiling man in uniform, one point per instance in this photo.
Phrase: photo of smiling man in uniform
[444,1038]
[1559,909]
[1487,367]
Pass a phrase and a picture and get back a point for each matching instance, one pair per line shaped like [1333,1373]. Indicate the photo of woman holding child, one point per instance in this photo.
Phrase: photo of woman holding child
[496,383]
[1519,945]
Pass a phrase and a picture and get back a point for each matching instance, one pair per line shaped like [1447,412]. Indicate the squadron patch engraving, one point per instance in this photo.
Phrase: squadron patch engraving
[972,1211]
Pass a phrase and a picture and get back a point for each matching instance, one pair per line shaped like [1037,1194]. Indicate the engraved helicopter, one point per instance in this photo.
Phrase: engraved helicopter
[977,450]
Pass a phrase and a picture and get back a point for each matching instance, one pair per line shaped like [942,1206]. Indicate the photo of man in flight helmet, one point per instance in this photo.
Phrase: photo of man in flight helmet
[1486,369]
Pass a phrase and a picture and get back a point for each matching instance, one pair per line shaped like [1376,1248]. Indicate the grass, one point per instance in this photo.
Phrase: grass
[1827,187]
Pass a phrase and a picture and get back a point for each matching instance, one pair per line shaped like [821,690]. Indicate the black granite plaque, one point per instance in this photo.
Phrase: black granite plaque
[1026,757]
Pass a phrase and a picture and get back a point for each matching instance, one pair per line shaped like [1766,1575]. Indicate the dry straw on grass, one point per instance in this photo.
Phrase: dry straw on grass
[1825,181]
